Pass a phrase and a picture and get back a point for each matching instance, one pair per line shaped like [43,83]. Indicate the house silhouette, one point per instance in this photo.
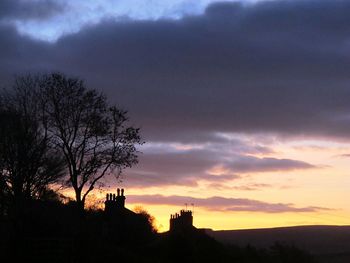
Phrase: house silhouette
[181,222]
[115,205]
[121,224]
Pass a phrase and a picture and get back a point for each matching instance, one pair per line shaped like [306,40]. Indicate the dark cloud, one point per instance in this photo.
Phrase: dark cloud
[223,204]
[28,10]
[181,168]
[246,164]
[191,166]
[275,67]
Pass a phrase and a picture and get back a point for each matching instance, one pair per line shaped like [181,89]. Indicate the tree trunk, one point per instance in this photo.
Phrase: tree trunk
[79,202]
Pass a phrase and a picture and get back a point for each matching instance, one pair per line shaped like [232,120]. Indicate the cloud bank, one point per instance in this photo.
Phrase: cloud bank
[189,167]
[29,10]
[217,203]
[276,67]
[51,19]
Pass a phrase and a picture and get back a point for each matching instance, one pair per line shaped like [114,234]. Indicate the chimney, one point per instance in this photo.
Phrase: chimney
[120,198]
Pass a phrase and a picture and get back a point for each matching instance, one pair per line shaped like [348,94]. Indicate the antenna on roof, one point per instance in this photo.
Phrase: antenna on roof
[192,204]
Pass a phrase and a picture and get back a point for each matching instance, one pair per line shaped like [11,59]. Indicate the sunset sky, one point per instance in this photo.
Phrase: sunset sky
[244,105]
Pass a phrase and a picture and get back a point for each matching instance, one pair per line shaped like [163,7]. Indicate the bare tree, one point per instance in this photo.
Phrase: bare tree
[94,137]
[28,164]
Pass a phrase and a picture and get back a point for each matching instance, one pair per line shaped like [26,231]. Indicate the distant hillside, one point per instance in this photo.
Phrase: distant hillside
[329,243]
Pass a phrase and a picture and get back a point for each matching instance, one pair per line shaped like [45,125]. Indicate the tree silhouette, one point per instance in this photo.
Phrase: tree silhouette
[27,162]
[93,136]
[147,216]
[3,194]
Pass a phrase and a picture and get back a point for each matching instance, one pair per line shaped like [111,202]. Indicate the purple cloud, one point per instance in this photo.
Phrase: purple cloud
[223,204]
[236,68]
[29,10]
[189,167]
[246,164]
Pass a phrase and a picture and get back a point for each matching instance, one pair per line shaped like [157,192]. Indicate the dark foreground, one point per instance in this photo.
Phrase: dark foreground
[329,244]
[58,233]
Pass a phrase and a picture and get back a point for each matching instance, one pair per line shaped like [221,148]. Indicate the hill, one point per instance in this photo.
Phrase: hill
[328,243]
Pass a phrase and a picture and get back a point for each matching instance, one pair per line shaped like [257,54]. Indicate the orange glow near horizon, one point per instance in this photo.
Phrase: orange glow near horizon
[326,185]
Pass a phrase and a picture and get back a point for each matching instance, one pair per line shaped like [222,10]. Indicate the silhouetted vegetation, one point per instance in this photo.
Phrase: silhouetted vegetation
[93,136]
[28,163]
[52,125]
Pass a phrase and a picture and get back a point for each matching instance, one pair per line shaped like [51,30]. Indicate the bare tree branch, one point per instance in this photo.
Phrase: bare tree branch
[94,137]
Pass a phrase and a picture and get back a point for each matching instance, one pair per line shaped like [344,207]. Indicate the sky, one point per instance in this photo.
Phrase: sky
[244,105]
